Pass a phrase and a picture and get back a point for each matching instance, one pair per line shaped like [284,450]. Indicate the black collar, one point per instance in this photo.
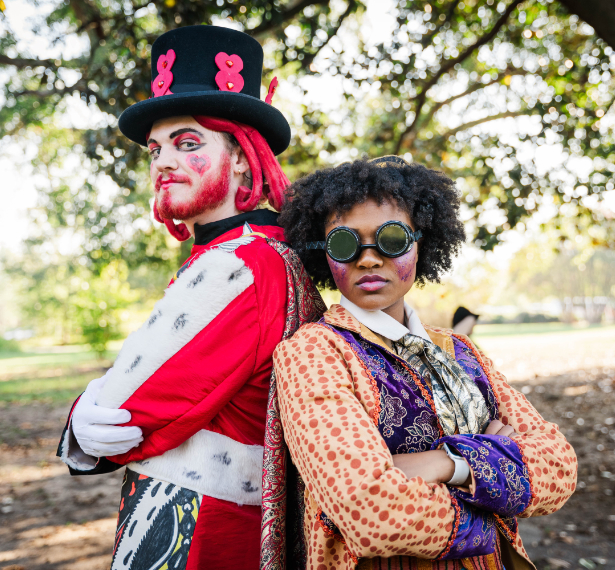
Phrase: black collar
[209,232]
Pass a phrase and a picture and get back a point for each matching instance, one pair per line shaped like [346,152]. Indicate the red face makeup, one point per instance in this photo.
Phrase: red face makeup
[191,169]
[339,272]
[199,164]
[406,265]
[191,137]
[210,194]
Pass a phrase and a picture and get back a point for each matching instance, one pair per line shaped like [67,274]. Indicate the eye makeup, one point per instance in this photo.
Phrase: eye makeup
[154,149]
[187,138]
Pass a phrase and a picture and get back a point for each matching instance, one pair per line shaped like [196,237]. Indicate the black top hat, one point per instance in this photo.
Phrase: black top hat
[212,71]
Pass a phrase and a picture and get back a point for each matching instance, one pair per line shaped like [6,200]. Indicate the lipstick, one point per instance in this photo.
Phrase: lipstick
[371,282]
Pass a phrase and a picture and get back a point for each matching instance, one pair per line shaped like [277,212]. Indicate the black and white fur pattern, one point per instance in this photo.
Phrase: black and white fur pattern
[196,298]
[211,464]
[208,463]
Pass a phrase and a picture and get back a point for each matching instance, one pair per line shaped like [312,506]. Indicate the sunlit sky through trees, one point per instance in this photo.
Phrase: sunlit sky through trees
[323,91]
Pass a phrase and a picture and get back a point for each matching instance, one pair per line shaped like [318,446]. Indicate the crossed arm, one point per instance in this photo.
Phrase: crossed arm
[436,466]
[370,494]
[348,469]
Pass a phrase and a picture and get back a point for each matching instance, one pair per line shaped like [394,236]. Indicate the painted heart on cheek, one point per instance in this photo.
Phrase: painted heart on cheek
[199,164]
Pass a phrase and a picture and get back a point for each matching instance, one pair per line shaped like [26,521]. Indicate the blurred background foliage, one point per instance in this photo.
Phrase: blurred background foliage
[437,91]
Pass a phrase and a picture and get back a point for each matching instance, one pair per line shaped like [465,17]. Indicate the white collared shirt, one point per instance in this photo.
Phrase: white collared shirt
[385,325]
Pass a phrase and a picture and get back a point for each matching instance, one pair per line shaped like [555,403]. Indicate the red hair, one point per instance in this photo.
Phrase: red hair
[263,165]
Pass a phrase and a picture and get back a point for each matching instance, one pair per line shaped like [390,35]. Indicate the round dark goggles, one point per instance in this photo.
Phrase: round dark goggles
[344,244]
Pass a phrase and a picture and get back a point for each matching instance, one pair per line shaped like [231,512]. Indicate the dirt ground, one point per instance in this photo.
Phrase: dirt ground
[49,520]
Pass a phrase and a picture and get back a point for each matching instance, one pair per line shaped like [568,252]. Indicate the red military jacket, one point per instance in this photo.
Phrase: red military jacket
[196,375]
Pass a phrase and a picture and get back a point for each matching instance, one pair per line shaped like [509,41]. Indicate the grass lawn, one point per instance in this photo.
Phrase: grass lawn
[532,328]
[49,390]
[55,375]
[541,352]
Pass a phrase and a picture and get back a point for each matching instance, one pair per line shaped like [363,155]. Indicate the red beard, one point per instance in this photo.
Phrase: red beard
[209,196]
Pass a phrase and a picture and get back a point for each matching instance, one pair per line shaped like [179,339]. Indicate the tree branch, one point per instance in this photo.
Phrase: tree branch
[352,4]
[26,62]
[22,62]
[269,25]
[476,87]
[487,119]
[80,8]
[46,93]
[451,12]
[450,64]
[427,38]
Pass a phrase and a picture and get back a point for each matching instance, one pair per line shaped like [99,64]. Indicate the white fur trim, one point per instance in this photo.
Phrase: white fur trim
[198,296]
[72,454]
[211,464]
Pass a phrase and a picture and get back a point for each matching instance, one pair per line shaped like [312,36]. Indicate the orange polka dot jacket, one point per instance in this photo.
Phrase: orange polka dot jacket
[347,404]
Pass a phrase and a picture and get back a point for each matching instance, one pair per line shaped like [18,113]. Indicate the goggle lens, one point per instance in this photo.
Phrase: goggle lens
[342,245]
[393,239]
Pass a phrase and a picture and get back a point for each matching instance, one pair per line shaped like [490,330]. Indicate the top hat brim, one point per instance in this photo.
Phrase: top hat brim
[136,121]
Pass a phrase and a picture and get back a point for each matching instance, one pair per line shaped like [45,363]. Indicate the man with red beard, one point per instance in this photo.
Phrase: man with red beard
[189,406]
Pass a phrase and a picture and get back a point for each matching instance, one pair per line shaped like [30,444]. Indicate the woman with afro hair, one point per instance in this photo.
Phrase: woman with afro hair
[414,451]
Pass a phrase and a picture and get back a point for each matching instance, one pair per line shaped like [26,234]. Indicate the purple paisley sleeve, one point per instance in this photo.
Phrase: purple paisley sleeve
[474,533]
[501,477]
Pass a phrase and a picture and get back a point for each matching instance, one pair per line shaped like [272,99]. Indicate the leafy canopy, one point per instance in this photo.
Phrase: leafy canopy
[432,91]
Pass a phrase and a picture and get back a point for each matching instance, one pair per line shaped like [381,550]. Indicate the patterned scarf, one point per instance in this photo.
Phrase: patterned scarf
[459,403]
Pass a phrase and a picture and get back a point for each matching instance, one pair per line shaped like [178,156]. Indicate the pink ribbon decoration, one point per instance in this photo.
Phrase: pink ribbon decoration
[272,88]
[229,77]
[162,83]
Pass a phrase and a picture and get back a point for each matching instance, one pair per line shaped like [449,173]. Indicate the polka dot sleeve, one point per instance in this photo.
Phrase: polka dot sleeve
[551,462]
[346,466]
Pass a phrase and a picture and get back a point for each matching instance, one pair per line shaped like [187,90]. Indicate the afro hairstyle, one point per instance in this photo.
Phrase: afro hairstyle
[428,196]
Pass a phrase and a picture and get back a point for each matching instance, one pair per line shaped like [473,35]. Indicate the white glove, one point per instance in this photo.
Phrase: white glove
[94,426]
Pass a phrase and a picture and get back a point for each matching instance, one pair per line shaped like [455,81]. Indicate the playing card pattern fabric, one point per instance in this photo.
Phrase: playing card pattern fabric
[155,524]
[347,404]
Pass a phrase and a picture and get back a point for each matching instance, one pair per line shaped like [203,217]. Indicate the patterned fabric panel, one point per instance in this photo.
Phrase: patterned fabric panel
[501,477]
[509,527]
[279,551]
[460,405]
[155,524]
[550,459]
[475,533]
[407,422]
[405,563]
[468,361]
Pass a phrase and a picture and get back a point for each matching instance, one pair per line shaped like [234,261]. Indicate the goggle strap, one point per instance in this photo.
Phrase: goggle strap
[315,245]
